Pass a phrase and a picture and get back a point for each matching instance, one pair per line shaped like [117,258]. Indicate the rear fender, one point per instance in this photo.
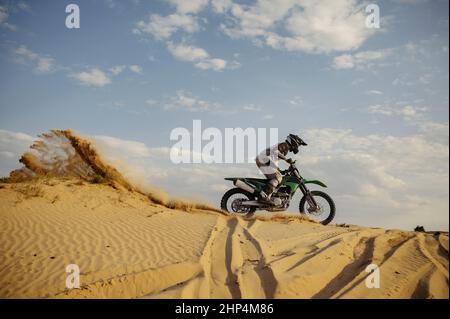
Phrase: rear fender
[258,186]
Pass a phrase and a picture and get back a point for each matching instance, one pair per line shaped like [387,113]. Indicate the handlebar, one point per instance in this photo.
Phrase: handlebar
[291,168]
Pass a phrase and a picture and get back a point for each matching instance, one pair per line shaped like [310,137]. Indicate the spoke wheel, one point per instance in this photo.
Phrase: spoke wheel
[325,210]
[232,202]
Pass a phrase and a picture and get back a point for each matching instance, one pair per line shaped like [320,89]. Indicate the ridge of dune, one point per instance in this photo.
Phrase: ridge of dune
[129,247]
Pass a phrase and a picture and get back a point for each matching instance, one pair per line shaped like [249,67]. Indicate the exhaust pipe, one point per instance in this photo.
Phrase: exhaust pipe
[244,186]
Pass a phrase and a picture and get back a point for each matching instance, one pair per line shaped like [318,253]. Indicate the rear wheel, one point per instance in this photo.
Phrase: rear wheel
[325,211]
[231,202]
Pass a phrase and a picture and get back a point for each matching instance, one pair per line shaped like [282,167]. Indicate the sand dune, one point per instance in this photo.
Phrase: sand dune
[129,247]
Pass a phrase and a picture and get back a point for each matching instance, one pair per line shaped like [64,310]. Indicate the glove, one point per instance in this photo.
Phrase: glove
[289,160]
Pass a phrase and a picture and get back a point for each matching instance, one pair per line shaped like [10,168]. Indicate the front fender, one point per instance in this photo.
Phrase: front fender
[314,181]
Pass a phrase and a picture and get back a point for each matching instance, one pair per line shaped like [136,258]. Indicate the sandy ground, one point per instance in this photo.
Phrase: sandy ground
[127,247]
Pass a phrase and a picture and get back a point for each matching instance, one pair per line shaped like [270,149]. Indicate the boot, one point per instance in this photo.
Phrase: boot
[266,193]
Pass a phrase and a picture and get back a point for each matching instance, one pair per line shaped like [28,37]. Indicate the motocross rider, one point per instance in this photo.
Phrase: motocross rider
[267,162]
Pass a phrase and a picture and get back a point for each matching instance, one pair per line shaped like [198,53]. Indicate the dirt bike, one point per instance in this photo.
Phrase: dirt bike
[245,199]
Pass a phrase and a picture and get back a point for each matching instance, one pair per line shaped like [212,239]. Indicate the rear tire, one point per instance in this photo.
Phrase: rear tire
[234,191]
[328,199]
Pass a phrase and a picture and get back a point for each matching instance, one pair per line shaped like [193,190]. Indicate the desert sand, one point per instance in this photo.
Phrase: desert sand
[130,244]
[127,247]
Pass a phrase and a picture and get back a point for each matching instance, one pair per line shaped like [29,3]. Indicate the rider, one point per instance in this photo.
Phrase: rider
[267,162]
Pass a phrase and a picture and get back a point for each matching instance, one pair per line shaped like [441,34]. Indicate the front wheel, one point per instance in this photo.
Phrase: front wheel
[232,202]
[325,211]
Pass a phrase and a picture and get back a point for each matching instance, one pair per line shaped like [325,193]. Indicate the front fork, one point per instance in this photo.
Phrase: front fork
[309,199]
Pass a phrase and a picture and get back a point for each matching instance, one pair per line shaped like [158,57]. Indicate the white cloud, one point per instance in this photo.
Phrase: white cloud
[437,132]
[114,145]
[374,92]
[92,77]
[212,64]
[251,108]
[136,68]
[198,56]
[119,69]
[150,102]
[12,146]
[187,53]
[45,65]
[116,70]
[162,27]
[308,26]
[407,112]
[360,60]
[221,6]
[295,101]
[4,16]
[185,100]
[191,6]
[42,64]
[403,180]
[11,7]
[24,6]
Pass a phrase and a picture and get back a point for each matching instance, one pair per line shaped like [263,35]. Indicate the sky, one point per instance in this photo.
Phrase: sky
[372,103]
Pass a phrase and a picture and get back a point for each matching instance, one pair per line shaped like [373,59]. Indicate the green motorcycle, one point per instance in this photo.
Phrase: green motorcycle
[244,200]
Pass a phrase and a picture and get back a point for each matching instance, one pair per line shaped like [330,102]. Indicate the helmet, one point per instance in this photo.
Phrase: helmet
[294,142]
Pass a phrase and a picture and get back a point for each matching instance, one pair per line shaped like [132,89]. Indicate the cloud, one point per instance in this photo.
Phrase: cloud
[116,145]
[191,6]
[150,102]
[295,101]
[185,100]
[360,60]
[4,16]
[437,132]
[119,69]
[198,56]
[185,20]
[12,146]
[407,112]
[11,7]
[307,26]
[42,64]
[24,6]
[116,70]
[92,77]
[221,6]
[136,68]
[252,108]
[374,92]
[402,180]
[162,27]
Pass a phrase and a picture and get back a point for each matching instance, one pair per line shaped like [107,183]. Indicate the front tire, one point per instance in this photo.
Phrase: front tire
[320,197]
[237,194]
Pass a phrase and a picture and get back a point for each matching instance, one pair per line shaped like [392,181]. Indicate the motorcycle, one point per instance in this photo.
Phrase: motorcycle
[245,199]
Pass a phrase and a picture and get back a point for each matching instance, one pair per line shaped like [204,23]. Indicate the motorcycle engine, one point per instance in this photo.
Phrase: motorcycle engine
[281,199]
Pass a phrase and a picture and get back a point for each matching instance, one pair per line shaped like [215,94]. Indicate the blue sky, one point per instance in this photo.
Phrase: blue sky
[372,103]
